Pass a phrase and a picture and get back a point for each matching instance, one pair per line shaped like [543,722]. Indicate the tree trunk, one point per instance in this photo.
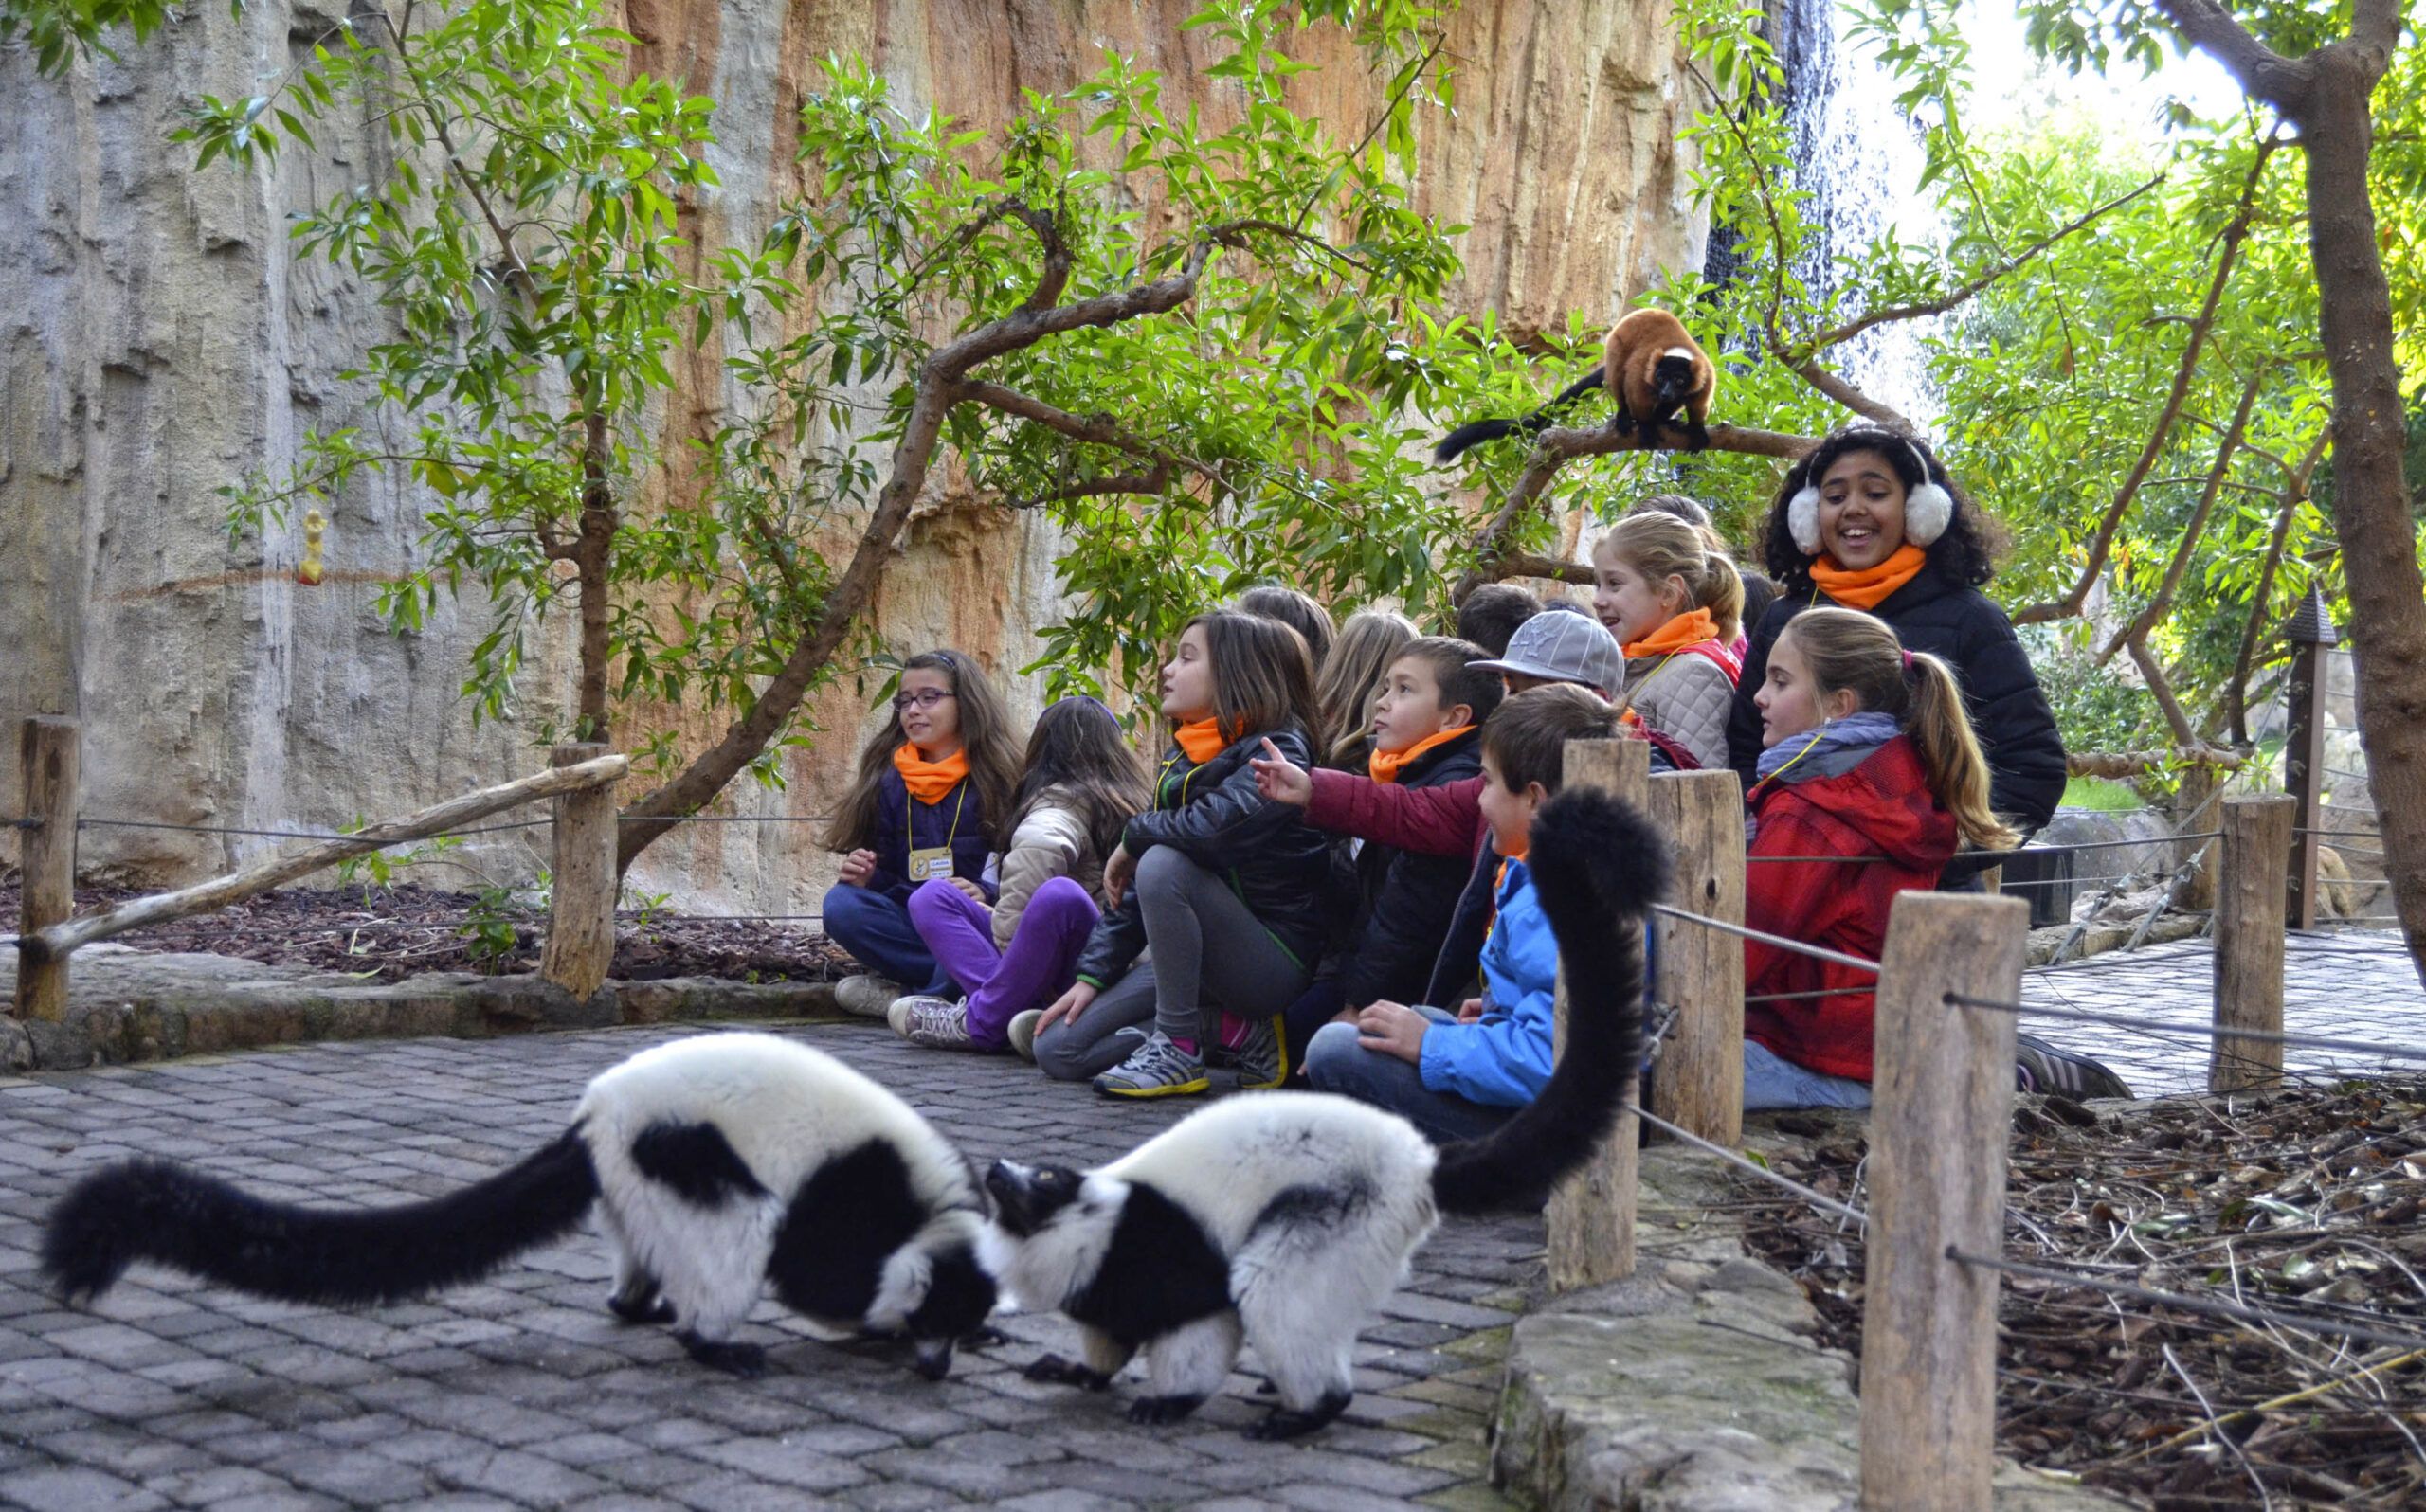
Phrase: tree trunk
[593,554]
[2370,497]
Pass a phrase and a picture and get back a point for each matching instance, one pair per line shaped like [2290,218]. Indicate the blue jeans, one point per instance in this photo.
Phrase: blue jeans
[879,936]
[1771,1080]
[1336,1063]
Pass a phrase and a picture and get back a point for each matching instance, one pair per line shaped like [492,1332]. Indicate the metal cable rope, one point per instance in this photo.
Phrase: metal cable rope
[2268,1036]
[1814,952]
[2198,1304]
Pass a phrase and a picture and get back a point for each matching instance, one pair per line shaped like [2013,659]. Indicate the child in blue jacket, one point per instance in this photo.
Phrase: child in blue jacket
[1461,1075]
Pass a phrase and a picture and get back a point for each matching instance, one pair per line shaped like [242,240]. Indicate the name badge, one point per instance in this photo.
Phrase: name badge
[932,865]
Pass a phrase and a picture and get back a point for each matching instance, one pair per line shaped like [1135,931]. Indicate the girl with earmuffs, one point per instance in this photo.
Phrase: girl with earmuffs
[1869,521]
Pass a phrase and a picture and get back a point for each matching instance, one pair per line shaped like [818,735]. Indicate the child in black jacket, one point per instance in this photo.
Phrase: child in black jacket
[1223,885]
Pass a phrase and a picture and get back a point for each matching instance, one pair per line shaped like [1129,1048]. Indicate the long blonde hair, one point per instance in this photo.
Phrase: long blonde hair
[1661,547]
[1351,679]
[1853,653]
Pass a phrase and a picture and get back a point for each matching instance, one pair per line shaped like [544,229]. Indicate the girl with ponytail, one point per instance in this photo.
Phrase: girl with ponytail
[1674,601]
[1870,520]
[1869,779]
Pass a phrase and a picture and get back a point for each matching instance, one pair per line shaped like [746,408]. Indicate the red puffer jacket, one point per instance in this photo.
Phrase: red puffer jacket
[1881,808]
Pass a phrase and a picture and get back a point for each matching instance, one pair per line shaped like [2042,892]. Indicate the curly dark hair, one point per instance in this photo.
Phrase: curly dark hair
[1966,552]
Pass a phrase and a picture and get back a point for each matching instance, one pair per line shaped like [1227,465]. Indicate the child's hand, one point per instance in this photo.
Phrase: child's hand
[1279,779]
[976,894]
[858,867]
[1393,1029]
[1119,868]
[1470,1011]
[1069,1005]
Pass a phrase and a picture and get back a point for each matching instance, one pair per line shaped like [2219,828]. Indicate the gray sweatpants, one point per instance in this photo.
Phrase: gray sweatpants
[1209,952]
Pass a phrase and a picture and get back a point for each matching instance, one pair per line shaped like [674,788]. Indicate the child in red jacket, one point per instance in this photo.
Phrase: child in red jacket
[1868,759]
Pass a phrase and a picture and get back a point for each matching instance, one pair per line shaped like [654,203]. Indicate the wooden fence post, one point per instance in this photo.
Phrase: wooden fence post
[2190,803]
[1591,1214]
[2255,846]
[1940,1118]
[2312,636]
[1699,1085]
[47,747]
[580,909]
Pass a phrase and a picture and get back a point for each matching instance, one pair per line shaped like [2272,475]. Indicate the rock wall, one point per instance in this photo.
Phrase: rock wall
[161,341]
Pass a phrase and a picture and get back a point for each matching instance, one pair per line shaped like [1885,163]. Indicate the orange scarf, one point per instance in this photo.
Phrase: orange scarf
[1682,631]
[929,782]
[1203,740]
[1869,587]
[1385,765]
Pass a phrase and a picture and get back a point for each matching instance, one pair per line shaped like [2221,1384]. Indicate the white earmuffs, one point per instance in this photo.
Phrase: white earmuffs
[1927,510]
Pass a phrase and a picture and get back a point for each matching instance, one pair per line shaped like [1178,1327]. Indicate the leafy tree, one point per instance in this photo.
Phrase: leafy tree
[989,308]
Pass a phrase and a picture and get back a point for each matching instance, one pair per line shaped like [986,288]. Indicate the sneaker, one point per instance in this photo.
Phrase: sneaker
[1023,1032]
[1263,1057]
[1159,1069]
[2042,1067]
[866,997]
[937,1023]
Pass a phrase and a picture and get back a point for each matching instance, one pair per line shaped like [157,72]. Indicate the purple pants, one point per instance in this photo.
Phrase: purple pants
[1001,984]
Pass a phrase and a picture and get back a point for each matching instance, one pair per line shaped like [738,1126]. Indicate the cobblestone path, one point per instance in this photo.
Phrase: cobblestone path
[523,1393]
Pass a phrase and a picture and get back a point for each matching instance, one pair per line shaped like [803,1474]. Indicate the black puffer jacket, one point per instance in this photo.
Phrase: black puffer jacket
[1408,899]
[1957,624]
[1213,815]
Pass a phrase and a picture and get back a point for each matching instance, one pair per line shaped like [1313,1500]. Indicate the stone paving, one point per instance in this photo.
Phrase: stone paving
[523,1393]
[2350,985]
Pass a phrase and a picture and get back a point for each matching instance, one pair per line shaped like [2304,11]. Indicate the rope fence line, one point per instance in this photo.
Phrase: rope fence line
[1780,942]
[1828,1204]
[446,834]
[2268,1036]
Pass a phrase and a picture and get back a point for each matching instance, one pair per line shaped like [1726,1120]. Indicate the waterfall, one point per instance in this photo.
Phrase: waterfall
[1858,161]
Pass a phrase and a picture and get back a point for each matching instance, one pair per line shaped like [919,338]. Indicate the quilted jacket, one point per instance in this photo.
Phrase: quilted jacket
[1882,809]
[1051,841]
[1686,696]
[1406,897]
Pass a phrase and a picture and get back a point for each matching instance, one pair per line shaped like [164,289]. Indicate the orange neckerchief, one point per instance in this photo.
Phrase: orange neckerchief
[1869,587]
[1682,631]
[1203,740]
[1385,765]
[929,782]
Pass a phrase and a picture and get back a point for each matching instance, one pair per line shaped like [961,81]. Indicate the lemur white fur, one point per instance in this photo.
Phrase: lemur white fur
[716,1164]
[1283,1219]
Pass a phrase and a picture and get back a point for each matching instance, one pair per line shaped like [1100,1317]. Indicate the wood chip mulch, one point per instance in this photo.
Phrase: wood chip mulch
[2305,1202]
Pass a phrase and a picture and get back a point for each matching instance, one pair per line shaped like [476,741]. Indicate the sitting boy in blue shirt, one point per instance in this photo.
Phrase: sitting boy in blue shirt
[1459,1076]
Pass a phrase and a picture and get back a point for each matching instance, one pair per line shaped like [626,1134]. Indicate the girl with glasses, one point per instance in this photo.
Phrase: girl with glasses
[933,784]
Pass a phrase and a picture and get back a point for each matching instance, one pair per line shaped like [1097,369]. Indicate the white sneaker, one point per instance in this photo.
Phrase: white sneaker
[935,1023]
[1023,1032]
[866,997]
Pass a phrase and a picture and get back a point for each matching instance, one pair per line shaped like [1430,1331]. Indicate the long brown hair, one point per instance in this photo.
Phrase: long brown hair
[1661,545]
[1855,652]
[1078,752]
[986,735]
[1367,644]
[1263,676]
[1302,612]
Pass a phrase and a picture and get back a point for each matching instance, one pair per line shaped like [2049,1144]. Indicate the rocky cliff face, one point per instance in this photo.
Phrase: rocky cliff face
[161,341]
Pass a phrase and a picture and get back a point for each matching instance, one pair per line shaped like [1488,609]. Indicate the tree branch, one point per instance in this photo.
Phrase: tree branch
[1100,429]
[2264,73]
[2244,665]
[1148,480]
[1558,445]
[2158,606]
[2102,543]
[1973,288]
[1532,564]
[1836,387]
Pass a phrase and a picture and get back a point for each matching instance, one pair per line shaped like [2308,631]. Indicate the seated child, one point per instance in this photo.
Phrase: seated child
[1084,782]
[1869,754]
[933,785]
[1673,600]
[1222,887]
[1424,736]
[1462,1074]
